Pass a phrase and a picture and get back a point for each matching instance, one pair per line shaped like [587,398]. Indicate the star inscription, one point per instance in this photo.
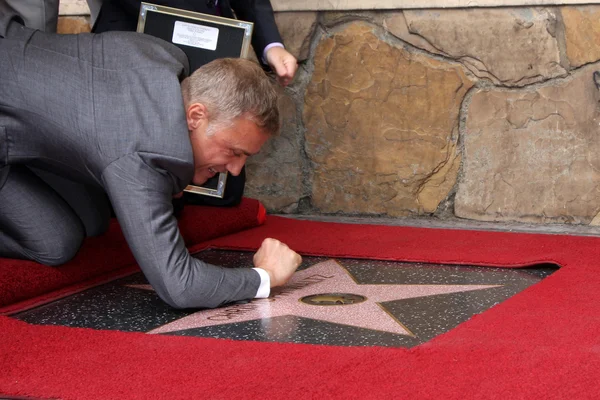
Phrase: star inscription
[322,278]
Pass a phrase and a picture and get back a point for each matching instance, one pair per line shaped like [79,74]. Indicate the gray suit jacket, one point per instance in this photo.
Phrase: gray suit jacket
[107,110]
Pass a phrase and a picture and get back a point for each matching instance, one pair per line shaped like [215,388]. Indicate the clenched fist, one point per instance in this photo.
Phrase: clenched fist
[278,260]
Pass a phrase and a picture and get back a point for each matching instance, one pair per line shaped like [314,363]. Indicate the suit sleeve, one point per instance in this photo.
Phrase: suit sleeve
[141,196]
[259,12]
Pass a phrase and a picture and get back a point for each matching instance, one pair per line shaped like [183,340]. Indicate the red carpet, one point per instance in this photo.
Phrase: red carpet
[25,284]
[542,343]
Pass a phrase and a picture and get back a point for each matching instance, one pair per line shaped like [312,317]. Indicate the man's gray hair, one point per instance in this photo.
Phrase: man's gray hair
[232,88]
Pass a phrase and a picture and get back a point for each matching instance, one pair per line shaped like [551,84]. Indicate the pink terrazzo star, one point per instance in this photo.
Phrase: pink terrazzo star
[324,277]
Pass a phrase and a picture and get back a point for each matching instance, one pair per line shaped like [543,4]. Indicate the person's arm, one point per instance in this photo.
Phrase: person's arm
[260,13]
[140,189]
[266,40]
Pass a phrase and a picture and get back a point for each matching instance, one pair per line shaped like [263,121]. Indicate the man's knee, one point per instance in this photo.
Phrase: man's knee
[56,250]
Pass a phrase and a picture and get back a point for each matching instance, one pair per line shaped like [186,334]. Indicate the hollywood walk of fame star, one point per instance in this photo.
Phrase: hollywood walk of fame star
[324,277]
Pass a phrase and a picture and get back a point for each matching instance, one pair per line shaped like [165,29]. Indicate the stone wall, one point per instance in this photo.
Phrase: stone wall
[483,113]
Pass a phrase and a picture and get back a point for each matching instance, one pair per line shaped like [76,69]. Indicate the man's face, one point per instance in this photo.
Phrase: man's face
[227,149]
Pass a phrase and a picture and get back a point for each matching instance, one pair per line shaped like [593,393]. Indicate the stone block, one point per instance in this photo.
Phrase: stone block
[67,25]
[508,46]
[531,155]
[381,126]
[582,34]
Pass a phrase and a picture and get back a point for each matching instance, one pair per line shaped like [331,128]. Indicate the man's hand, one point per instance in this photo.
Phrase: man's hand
[282,63]
[278,260]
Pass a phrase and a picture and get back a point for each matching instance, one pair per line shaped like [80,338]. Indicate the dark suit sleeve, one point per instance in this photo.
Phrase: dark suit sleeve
[141,193]
[259,12]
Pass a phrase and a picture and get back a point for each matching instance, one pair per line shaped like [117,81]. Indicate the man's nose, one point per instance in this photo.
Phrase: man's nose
[236,165]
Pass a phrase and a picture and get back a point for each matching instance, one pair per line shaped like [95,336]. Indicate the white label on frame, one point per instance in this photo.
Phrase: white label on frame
[204,37]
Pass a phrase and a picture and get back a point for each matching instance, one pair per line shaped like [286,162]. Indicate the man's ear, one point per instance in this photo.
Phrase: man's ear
[196,114]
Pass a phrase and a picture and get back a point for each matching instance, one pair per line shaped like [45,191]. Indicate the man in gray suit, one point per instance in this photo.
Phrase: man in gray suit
[83,115]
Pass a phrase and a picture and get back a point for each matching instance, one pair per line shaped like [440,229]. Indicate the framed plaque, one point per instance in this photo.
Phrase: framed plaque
[202,38]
